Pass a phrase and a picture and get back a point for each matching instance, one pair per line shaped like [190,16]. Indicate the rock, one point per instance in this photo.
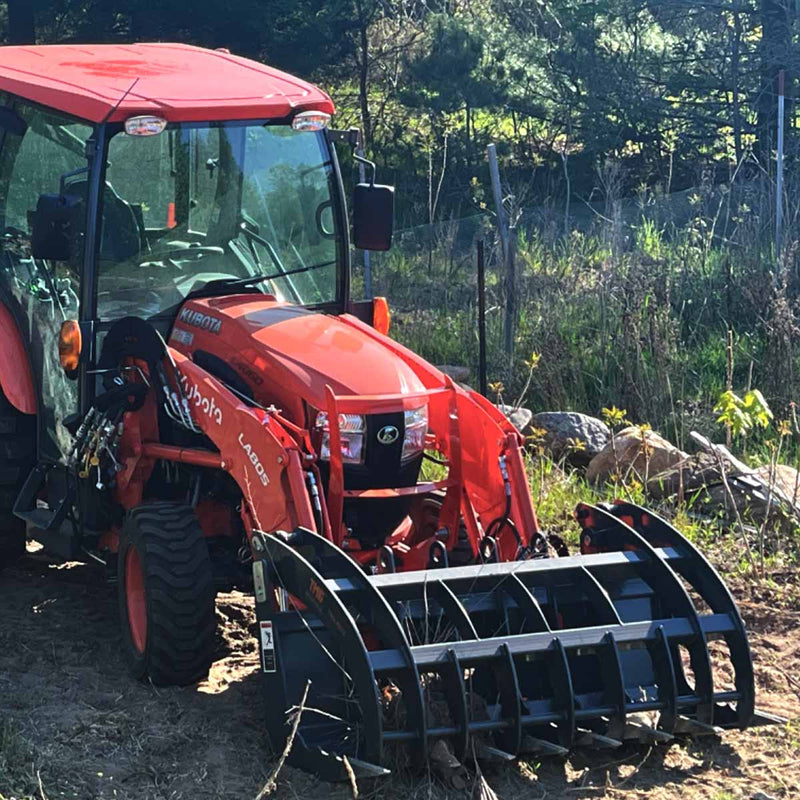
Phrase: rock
[763,795]
[457,373]
[627,456]
[520,418]
[696,472]
[785,479]
[560,426]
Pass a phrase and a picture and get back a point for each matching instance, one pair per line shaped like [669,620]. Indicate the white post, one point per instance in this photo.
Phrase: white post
[508,252]
[779,169]
[494,172]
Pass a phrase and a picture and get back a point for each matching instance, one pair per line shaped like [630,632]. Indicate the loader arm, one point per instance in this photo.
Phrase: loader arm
[254,448]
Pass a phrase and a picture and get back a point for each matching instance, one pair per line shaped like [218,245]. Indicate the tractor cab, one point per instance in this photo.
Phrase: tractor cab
[131,218]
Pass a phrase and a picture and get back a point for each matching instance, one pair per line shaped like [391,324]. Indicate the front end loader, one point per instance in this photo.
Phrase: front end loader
[197,403]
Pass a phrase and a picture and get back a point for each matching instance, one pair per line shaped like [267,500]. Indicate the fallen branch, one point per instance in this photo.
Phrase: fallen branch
[271,783]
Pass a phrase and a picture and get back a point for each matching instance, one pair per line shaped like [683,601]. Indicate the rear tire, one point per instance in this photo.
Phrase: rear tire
[166,595]
[17,457]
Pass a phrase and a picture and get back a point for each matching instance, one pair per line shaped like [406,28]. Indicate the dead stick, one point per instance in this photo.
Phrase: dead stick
[271,784]
[351,776]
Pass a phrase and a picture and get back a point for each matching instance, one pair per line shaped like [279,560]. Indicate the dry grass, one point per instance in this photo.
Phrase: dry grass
[74,725]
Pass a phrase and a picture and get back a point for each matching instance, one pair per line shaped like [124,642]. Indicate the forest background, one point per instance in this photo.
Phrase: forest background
[637,148]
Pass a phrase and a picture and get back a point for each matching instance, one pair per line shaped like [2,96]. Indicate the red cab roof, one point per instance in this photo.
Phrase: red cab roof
[178,82]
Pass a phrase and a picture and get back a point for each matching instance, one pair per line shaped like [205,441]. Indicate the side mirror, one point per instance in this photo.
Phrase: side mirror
[373,216]
[54,226]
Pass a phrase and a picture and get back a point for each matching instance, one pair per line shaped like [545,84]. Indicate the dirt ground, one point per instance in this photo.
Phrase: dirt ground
[73,724]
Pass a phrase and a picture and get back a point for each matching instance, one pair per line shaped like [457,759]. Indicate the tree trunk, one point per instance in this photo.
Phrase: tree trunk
[776,41]
[21,28]
[735,69]
[363,75]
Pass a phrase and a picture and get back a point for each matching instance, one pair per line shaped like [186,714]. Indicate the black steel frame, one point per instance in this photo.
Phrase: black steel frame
[582,643]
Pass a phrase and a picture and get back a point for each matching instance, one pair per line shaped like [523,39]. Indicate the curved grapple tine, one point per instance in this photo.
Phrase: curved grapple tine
[499,658]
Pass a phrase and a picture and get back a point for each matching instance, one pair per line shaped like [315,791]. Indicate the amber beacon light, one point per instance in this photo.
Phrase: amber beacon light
[381,316]
[69,345]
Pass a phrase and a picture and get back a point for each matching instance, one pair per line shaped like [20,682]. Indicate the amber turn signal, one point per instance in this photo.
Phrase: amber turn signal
[381,316]
[69,345]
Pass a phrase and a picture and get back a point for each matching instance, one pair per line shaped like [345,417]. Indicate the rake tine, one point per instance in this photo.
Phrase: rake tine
[765,718]
[530,744]
[645,733]
[363,769]
[596,741]
[694,728]
[486,752]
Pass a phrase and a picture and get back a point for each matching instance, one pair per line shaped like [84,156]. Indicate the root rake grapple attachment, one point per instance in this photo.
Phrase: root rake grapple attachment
[499,660]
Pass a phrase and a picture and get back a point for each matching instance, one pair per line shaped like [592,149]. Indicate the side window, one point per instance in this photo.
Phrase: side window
[50,147]
[141,169]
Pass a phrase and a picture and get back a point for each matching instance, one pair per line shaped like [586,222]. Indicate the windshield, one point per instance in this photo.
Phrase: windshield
[203,203]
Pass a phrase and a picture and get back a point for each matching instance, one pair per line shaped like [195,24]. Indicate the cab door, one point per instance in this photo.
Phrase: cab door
[39,148]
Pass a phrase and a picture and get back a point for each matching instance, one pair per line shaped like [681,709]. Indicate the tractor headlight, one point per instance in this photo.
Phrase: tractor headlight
[352,428]
[416,425]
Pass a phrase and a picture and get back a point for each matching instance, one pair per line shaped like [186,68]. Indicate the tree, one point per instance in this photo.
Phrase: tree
[21,25]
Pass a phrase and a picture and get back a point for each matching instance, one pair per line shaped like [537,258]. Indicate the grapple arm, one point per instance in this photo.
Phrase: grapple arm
[533,656]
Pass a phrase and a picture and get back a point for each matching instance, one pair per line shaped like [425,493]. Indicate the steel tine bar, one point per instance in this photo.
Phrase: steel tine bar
[694,728]
[535,620]
[296,575]
[664,669]
[485,752]
[453,609]
[456,695]
[563,693]
[530,744]
[374,606]
[510,738]
[671,593]
[598,596]
[640,732]
[613,685]
[706,581]
[596,741]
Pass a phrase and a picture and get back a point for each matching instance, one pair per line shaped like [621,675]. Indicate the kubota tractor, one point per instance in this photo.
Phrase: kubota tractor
[191,397]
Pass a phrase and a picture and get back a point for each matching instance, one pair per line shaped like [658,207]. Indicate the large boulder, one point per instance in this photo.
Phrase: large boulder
[693,474]
[519,417]
[634,453]
[785,479]
[561,426]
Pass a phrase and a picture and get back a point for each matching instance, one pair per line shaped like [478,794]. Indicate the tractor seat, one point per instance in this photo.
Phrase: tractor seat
[121,238]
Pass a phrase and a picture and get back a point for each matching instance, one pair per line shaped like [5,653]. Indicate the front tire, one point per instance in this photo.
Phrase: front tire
[166,595]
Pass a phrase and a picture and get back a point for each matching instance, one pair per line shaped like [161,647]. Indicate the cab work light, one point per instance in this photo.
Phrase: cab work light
[311,121]
[144,126]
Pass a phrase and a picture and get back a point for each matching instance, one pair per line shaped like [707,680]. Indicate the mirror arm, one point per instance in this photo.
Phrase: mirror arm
[367,162]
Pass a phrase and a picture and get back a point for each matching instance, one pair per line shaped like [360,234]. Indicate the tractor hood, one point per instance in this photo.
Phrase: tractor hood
[285,353]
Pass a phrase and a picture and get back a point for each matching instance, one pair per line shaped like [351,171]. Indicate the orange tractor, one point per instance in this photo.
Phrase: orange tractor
[191,397]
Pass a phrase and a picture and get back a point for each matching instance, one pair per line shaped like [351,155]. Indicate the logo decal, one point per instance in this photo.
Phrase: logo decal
[204,404]
[182,336]
[203,321]
[254,460]
[388,434]
[247,370]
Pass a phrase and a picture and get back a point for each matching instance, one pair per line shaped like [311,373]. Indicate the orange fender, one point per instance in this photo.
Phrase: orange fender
[16,379]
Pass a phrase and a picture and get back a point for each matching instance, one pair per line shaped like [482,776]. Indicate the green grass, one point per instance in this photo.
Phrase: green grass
[644,328]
